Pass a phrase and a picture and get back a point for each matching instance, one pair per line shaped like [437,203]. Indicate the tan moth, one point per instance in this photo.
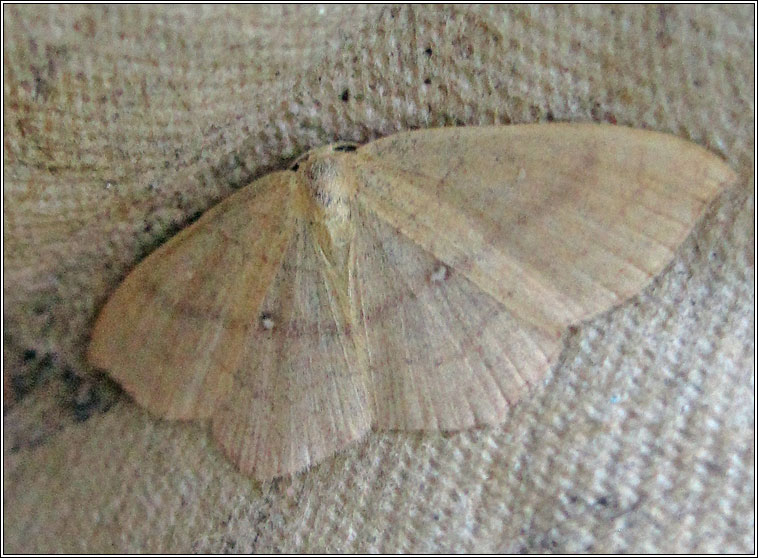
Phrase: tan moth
[420,281]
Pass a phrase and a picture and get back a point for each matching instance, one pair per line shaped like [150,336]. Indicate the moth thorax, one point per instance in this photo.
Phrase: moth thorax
[331,187]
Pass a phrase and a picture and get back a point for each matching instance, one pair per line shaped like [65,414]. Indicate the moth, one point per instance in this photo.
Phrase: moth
[421,281]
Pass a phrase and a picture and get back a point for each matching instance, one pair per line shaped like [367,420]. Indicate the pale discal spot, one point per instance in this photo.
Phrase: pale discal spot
[521,174]
[267,322]
[439,274]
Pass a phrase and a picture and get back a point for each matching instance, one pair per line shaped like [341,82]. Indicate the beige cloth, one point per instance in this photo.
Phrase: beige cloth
[124,122]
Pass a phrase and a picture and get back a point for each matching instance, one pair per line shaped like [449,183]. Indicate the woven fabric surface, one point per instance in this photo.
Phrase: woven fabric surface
[123,123]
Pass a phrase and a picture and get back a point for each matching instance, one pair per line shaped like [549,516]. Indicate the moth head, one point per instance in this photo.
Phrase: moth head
[330,182]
